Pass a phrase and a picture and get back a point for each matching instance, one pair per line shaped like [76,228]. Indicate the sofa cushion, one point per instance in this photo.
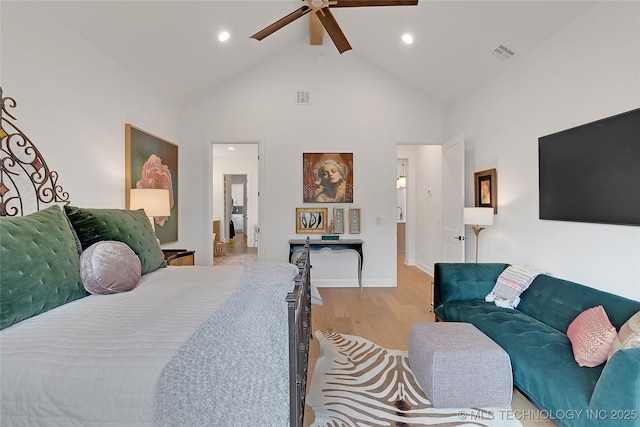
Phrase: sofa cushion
[541,356]
[628,336]
[462,281]
[619,387]
[591,335]
[109,267]
[130,227]
[40,265]
[557,302]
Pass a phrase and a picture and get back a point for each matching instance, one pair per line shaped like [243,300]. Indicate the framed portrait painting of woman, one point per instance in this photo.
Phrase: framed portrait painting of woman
[327,177]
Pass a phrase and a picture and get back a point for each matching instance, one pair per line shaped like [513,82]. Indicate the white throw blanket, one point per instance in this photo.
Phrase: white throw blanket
[511,283]
[234,370]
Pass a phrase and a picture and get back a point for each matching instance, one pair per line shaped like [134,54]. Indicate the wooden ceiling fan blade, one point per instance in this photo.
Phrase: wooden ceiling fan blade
[360,3]
[281,23]
[315,30]
[333,29]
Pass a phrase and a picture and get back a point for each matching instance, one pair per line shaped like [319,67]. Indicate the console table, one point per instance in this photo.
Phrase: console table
[297,245]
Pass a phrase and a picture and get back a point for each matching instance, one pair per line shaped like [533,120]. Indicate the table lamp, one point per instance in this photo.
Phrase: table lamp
[477,217]
[154,201]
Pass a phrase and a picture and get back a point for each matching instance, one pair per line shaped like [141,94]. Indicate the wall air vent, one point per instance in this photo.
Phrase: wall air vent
[503,52]
[302,97]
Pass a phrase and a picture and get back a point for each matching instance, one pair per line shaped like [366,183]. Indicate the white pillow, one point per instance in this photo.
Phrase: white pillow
[109,267]
[511,283]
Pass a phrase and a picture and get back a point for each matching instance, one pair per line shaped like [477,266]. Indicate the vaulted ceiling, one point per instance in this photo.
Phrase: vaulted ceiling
[173,44]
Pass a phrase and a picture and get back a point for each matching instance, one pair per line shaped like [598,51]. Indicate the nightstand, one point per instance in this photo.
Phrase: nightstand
[179,256]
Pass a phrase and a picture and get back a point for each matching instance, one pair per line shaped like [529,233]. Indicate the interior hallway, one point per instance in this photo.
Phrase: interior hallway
[238,245]
[236,251]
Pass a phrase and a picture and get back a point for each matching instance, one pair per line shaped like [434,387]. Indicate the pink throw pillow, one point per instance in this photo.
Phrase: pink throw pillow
[591,335]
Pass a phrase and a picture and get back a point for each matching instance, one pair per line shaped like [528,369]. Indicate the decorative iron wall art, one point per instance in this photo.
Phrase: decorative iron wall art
[26,183]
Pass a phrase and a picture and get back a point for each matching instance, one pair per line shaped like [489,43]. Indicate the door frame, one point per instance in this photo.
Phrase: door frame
[210,189]
[453,228]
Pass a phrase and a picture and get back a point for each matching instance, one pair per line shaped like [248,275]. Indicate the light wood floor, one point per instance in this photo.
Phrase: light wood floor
[384,316]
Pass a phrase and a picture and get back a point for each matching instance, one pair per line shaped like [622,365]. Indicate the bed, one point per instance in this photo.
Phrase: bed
[96,330]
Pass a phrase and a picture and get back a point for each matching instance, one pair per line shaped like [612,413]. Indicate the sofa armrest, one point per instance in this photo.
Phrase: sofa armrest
[617,391]
[464,281]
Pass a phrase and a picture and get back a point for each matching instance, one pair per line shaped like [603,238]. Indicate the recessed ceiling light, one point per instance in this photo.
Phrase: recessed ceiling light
[231,148]
[407,38]
[223,36]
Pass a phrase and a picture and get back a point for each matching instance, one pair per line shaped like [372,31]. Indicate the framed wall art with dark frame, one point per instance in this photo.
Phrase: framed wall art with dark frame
[485,184]
[327,177]
[338,220]
[311,220]
[152,162]
[354,220]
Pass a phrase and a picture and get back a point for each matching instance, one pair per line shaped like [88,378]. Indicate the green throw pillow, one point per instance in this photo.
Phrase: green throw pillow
[130,227]
[39,265]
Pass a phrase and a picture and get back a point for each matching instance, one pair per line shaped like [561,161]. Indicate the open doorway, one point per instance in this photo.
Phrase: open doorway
[401,208]
[237,211]
[417,183]
[235,202]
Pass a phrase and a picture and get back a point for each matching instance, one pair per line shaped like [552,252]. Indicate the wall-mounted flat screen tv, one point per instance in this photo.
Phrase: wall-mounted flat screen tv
[591,173]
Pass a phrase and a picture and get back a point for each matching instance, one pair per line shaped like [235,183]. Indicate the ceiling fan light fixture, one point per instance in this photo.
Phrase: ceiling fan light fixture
[327,19]
[407,38]
[223,36]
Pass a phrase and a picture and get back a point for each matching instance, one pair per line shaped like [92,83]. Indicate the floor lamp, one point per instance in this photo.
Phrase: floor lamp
[155,202]
[477,217]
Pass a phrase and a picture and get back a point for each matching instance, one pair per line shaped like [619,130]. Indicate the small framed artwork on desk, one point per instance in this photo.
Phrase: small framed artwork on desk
[311,220]
[354,220]
[338,220]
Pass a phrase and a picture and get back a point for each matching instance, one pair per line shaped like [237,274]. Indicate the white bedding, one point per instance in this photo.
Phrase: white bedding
[81,357]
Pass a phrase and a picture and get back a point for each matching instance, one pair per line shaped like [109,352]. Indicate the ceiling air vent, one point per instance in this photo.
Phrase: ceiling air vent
[302,97]
[503,52]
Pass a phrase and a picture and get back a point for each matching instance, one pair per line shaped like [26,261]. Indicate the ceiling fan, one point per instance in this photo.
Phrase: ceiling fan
[322,10]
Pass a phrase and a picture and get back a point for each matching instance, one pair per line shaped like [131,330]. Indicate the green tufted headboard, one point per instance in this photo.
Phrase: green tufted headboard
[39,265]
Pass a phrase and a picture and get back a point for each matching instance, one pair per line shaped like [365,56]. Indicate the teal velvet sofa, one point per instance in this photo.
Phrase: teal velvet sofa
[534,336]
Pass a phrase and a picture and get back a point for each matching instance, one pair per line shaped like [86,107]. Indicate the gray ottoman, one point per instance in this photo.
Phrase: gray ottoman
[457,366]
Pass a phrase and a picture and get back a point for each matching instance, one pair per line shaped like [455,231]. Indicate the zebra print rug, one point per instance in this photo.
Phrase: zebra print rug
[357,383]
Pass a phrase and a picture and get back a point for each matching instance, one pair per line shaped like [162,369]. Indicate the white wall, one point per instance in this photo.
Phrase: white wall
[73,103]
[588,71]
[353,108]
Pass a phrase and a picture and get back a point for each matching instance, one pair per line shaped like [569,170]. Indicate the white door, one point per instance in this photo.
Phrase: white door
[453,199]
